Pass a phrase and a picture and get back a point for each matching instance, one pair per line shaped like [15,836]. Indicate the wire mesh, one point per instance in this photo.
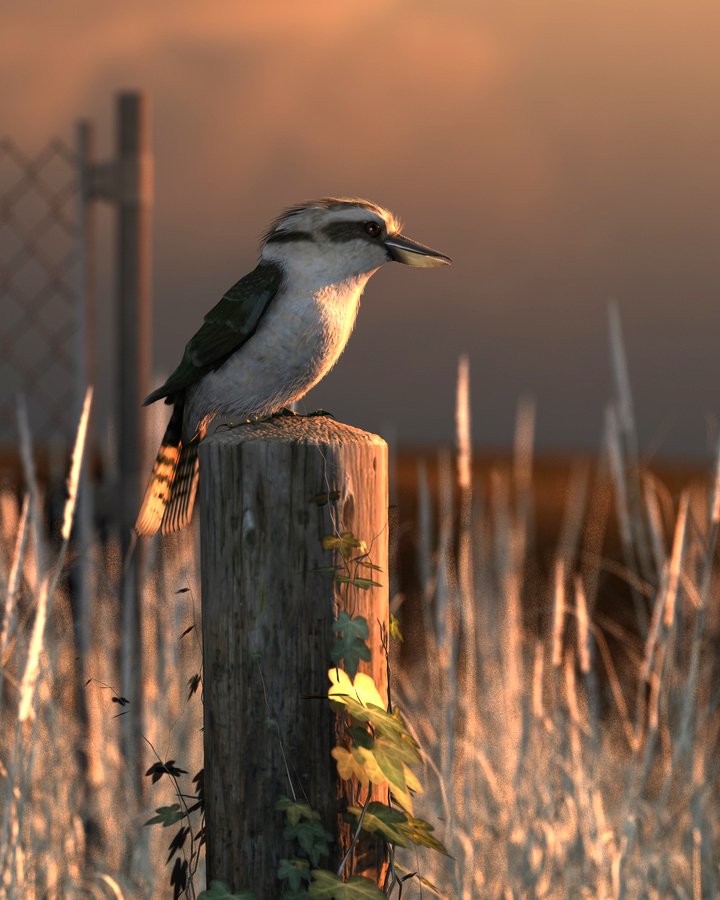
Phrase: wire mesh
[39,303]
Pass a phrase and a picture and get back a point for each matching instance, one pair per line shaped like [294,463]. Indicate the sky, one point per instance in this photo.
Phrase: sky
[564,154]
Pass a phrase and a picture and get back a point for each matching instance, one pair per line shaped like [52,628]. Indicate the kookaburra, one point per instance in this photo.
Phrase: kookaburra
[273,335]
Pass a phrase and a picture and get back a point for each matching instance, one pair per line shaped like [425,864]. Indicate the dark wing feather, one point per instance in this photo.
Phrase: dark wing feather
[227,327]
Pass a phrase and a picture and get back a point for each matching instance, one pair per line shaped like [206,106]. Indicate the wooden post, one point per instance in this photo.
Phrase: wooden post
[267,627]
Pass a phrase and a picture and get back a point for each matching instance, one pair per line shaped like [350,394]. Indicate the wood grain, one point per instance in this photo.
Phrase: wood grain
[267,628]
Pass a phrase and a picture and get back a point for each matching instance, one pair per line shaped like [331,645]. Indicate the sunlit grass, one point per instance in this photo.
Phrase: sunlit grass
[71,818]
[571,738]
[560,768]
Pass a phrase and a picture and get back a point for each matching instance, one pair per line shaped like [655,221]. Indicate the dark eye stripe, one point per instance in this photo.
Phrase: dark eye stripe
[348,231]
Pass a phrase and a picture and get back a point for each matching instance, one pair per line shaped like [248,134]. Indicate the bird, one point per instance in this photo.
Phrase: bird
[272,336]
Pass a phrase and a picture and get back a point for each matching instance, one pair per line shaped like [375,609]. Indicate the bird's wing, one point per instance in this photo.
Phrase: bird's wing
[228,325]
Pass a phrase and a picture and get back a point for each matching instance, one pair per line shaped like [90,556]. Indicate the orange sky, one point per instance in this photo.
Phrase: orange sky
[563,153]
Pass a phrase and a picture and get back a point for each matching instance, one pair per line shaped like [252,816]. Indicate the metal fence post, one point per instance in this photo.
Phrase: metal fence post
[134,198]
[84,375]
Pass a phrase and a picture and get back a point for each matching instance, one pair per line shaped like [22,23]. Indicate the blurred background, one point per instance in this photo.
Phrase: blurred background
[563,154]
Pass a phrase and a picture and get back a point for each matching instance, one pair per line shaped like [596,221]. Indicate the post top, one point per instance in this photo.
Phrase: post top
[294,429]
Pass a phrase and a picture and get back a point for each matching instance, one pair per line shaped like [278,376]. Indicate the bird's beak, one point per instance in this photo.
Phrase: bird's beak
[403,250]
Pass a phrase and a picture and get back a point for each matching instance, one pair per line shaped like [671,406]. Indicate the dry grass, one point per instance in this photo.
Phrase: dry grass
[571,752]
[570,715]
[71,818]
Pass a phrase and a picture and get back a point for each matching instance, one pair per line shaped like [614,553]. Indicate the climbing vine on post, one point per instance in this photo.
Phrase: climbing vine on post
[375,747]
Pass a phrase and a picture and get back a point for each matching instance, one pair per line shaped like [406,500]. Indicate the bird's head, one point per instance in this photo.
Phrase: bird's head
[346,237]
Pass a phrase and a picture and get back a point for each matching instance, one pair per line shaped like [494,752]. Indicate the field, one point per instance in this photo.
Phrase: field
[559,667]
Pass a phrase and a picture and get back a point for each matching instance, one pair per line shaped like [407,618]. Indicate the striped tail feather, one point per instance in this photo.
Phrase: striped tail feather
[168,502]
[179,507]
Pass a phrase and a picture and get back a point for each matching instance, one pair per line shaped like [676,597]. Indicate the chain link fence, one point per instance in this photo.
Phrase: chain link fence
[39,283]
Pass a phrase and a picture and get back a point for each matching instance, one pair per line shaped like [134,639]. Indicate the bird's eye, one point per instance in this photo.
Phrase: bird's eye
[372,228]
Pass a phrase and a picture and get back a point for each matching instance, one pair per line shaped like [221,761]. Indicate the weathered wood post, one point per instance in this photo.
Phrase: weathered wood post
[267,626]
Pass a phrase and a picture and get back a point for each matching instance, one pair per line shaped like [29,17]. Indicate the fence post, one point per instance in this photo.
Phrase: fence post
[84,376]
[267,628]
[134,197]
[84,355]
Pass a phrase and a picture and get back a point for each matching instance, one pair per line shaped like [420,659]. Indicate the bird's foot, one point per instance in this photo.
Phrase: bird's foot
[283,412]
[256,420]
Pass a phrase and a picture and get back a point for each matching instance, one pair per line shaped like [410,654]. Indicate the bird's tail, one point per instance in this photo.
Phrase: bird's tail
[168,502]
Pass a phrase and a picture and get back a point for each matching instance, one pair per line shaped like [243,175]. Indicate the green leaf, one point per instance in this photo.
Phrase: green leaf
[296,810]
[294,871]
[167,816]
[420,833]
[395,632]
[383,819]
[389,725]
[300,894]
[398,747]
[360,736]
[218,890]
[390,763]
[350,645]
[312,837]
[327,886]
[362,583]
[354,626]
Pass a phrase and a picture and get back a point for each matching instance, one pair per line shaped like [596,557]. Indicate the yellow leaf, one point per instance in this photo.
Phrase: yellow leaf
[362,689]
[395,632]
[404,798]
[349,766]
[345,543]
[374,772]
[340,685]
[411,780]
[366,691]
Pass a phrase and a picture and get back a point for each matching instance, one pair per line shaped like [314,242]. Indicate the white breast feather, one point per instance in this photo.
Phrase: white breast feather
[298,341]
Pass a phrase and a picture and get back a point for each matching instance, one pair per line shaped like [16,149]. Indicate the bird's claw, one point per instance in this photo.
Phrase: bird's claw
[281,413]
[289,412]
